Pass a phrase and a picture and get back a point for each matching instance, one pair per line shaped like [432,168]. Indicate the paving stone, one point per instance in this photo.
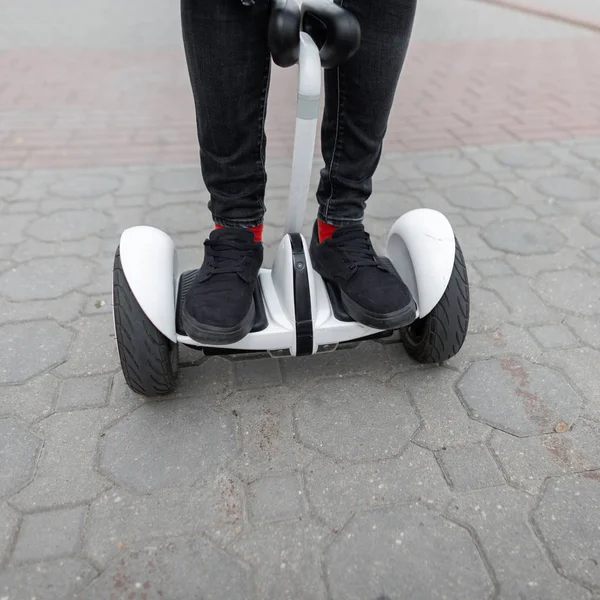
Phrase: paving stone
[53,580]
[493,268]
[479,197]
[592,222]
[22,207]
[99,304]
[430,198]
[578,236]
[587,329]
[63,309]
[65,474]
[12,228]
[85,186]
[117,520]
[286,558]
[276,498]
[567,188]
[9,523]
[444,420]
[445,166]
[134,183]
[30,401]
[68,225]
[269,443]
[176,218]
[8,187]
[388,205]
[179,181]
[485,160]
[523,157]
[48,535]
[437,559]
[197,199]
[594,254]
[554,336]
[376,360]
[589,151]
[523,237]
[208,382]
[518,396]
[339,490]
[568,519]
[94,351]
[168,444]
[534,264]
[525,306]
[31,348]
[473,245]
[528,461]
[499,518]
[488,218]
[488,312]
[45,278]
[163,570]
[19,451]
[84,392]
[404,167]
[355,419]
[31,249]
[572,290]
[257,373]
[469,467]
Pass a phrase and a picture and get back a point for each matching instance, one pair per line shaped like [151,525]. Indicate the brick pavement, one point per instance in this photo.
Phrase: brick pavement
[357,474]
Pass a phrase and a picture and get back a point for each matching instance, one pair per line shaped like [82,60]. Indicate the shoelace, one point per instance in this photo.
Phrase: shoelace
[226,256]
[357,248]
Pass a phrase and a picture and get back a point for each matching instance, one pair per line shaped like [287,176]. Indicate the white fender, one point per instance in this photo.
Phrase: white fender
[149,261]
[421,247]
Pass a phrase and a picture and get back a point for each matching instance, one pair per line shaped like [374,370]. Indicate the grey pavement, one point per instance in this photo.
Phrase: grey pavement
[352,475]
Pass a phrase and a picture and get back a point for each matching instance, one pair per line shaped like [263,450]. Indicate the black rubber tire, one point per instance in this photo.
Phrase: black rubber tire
[150,361]
[440,335]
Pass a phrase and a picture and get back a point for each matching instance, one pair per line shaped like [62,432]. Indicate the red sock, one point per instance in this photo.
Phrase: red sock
[325,230]
[256,230]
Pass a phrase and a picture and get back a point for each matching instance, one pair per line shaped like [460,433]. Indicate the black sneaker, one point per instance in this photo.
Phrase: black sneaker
[372,293]
[219,308]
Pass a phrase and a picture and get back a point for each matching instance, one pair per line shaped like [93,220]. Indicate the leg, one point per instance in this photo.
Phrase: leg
[358,100]
[229,66]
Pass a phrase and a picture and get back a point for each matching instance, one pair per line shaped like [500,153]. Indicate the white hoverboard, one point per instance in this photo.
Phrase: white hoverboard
[297,312]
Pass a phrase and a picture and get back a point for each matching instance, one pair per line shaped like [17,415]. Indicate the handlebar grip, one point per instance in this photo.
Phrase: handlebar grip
[284,32]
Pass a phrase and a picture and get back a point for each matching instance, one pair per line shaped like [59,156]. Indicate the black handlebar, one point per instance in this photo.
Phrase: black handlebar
[335,31]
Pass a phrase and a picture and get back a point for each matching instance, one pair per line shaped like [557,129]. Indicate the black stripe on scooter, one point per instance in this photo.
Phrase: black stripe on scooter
[302,308]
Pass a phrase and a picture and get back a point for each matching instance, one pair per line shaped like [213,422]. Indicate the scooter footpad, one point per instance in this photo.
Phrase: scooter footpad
[185,285]
[333,291]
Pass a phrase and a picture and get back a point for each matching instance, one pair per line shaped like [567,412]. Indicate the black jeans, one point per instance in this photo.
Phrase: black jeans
[229,66]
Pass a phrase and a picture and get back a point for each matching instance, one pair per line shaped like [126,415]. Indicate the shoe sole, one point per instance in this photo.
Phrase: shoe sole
[393,320]
[219,336]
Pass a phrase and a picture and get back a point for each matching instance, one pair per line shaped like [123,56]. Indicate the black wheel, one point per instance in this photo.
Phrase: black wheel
[440,334]
[150,361]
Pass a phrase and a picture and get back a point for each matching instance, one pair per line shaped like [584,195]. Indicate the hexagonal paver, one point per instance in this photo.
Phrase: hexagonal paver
[523,237]
[8,187]
[45,278]
[86,186]
[444,166]
[68,225]
[178,569]
[571,290]
[168,444]
[11,228]
[355,419]
[47,580]
[592,221]
[524,157]
[9,522]
[567,188]
[405,552]
[178,181]
[276,498]
[590,151]
[569,520]
[588,330]
[31,348]
[389,205]
[19,450]
[177,218]
[479,197]
[518,396]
